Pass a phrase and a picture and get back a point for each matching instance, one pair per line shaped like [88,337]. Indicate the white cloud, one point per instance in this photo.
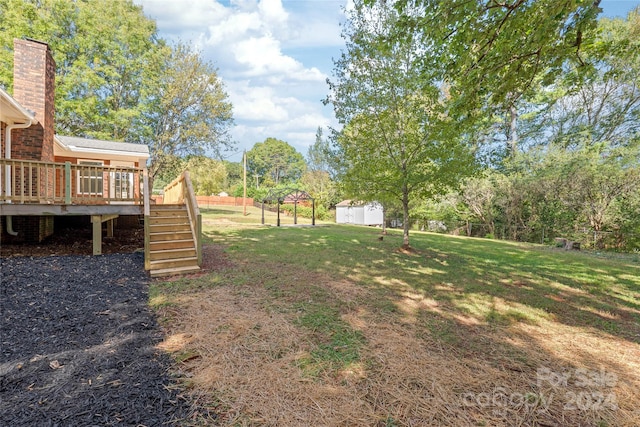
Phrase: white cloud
[273,12]
[182,17]
[262,56]
[267,55]
[258,104]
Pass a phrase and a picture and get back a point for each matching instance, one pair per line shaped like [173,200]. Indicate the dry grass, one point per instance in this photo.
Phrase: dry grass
[246,342]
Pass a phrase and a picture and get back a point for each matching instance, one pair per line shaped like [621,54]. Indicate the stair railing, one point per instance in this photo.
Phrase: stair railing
[180,191]
[147,218]
[194,214]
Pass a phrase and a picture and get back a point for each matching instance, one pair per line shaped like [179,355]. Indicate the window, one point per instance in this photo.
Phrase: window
[90,178]
[121,181]
[121,188]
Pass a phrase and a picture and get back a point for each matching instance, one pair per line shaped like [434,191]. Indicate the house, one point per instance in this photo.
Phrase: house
[101,173]
[352,212]
[44,176]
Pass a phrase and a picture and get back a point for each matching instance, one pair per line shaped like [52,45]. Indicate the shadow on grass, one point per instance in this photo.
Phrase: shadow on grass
[575,289]
[513,307]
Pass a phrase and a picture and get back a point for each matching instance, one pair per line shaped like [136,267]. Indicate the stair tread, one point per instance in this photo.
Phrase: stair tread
[168,260]
[164,251]
[176,251]
[172,241]
[176,270]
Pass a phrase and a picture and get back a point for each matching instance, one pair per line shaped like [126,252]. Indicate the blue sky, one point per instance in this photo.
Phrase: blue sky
[274,57]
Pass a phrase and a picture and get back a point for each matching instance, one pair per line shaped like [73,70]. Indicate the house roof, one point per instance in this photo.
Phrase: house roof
[11,111]
[98,146]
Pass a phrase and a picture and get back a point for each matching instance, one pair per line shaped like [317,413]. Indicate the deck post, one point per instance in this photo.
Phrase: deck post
[110,228]
[96,222]
[147,218]
[67,183]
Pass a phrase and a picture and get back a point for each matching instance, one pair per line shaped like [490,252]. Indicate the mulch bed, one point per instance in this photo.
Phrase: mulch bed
[78,241]
[78,345]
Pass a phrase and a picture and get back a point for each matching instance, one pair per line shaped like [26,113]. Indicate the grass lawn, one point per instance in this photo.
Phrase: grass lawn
[331,326]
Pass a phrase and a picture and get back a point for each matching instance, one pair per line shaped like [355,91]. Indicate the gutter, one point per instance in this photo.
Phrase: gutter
[7,171]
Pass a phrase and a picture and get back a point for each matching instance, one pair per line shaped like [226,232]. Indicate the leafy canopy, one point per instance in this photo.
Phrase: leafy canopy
[398,142]
[274,162]
[116,79]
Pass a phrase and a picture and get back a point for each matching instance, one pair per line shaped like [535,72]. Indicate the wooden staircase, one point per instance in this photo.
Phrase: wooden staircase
[172,242]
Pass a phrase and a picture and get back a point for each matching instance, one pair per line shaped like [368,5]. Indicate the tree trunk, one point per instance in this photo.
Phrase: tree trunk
[513,129]
[405,219]
[384,220]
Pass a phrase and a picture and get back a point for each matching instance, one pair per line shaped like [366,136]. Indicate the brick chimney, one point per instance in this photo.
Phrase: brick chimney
[34,72]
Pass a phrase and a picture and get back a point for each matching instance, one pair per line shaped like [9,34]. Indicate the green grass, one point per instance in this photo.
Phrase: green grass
[469,276]
[337,345]
[353,304]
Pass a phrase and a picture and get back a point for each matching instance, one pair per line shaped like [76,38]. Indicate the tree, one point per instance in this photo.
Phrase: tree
[276,160]
[106,54]
[117,80]
[319,185]
[190,114]
[319,156]
[398,142]
[208,176]
[235,174]
[491,52]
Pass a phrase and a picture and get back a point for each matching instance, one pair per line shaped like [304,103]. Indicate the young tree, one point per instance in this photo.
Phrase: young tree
[398,142]
[208,176]
[275,159]
[190,114]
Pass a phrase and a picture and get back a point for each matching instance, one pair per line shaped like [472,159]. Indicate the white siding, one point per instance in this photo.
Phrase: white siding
[369,214]
[373,214]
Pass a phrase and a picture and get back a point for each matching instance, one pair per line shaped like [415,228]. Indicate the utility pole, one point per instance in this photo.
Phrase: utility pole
[257,176]
[244,179]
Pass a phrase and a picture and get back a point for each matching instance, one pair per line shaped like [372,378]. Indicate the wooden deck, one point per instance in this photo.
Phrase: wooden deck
[48,188]
[32,188]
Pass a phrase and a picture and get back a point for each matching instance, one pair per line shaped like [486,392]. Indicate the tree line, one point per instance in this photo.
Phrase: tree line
[516,120]
[117,80]
[519,117]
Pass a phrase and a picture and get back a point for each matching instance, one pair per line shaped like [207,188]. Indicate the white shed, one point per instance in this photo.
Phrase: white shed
[352,212]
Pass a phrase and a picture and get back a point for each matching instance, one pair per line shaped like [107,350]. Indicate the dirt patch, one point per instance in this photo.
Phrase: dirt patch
[408,250]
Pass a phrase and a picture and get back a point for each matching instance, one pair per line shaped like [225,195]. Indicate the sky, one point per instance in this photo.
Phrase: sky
[274,57]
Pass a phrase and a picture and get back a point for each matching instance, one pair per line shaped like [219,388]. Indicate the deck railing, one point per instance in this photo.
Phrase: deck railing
[27,181]
[180,191]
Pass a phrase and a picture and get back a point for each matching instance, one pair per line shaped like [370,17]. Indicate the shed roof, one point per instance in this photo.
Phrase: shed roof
[355,203]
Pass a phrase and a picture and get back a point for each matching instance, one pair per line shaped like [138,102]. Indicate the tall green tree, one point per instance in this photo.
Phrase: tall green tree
[106,53]
[319,155]
[398,143]
[275,161]
[492,51]
[190,113]
[116,79]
